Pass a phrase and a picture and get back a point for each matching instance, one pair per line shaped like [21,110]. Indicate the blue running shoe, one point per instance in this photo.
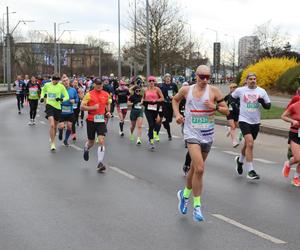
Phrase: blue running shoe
[183,202]
[197,214]
[85,154]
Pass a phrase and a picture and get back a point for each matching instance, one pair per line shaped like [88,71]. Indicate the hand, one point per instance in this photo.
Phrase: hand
[209,104]
[108,114]
[294,123]
[95,107]
[72,101]
[58,99]
[42,100]
[179,119]
[261,100]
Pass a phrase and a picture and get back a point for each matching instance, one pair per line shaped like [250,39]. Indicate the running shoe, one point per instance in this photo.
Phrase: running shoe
[286,169]
[100,167]
[81,123]
[121,133]
[239,165]
[170,138]
[60,134]
[151,144]
[182,202]
[131,137]
[296,182]
[252,175]
[19,112]
[156,136]
[66,143]
[74,137]
[85,154]
[30,122]
[185,169]
[33,122]
[235,144]
[52,147]
[197,214]
[138,141]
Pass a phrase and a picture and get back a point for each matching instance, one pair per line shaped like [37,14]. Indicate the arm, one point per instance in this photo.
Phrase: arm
[84,104]
[176,101]
[220,105]
[161,96]
[286,117]
[265,101]
[65,94]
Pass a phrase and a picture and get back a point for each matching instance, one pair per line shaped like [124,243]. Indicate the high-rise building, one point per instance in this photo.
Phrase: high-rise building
[248,50]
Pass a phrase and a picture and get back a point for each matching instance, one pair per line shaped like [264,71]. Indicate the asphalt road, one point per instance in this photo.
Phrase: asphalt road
[58,201]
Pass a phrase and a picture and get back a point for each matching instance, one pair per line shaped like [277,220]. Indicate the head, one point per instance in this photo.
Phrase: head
[105,80]
[27,77]
[66,82]
[55,79]
[251,80]
[185,84]
[98,84]
[151,81]
[203,75]
[19,77]
[75,83]
[232,87]
[167,78]
[33,79]
[122,83]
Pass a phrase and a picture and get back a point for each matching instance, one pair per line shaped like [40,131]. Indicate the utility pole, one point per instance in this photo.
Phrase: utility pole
[55,51]
[8,57]
[119,43]
[134,56]
[148,42]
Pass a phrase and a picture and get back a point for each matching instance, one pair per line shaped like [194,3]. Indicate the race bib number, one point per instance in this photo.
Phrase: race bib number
[51,96]
[123,105]
[33,92]
[138,106]
[65,109]
[160,109]
[299,132]
[75,106]
[170,92]
[202,122]
[152,107]
[252,107]
[99,118]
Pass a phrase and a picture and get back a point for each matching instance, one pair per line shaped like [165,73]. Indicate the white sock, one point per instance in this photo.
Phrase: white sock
[241,158]
[249,166]
[101,150]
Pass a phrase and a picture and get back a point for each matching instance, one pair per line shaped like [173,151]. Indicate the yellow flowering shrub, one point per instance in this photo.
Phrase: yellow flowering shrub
[268,70]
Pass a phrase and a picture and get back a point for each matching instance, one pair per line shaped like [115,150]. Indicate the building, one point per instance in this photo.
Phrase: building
[248,50]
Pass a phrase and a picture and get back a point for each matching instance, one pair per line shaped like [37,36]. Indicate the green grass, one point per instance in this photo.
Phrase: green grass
[273,113]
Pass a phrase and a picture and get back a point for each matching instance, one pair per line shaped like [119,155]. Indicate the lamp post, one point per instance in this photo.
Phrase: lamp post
[148,39]
[119,43]
[233,56]
[58,43]
[215,51]
[190,38]
[99,56]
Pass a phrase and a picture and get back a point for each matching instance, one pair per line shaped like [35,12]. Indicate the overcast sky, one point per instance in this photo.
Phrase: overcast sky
[233,17]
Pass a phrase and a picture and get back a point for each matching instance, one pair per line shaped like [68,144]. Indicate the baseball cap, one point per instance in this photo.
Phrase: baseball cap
[97,81]
[151,78]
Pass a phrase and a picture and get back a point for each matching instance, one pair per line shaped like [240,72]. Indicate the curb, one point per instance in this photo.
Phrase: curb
[263,128]
[3,94]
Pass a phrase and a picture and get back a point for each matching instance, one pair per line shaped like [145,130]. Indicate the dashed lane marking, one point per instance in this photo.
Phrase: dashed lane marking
[249,229]
[43,122]
[122,172]
[264,161]
[76,147]
[231,153]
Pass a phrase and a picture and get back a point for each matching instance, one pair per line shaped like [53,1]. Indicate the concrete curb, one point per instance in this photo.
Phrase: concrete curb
[3,94]
[263,128]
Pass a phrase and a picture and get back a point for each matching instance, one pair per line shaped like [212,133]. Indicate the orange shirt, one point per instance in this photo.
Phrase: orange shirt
[96,97]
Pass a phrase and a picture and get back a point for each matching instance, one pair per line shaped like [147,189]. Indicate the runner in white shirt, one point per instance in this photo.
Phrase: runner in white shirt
[251,98]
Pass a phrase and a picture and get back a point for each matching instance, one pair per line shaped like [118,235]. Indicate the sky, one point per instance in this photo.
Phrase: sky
[205,19]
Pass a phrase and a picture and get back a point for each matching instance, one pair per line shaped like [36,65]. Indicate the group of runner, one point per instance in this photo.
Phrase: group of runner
[194,106]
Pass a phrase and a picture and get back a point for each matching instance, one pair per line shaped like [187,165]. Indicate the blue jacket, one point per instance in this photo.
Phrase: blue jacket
[67,108]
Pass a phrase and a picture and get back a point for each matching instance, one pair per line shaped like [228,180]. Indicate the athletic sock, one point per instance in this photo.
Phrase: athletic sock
[197,201]
[187,192]
[101,150]
[157,128]
[241,158]
[121,124]
[249,166]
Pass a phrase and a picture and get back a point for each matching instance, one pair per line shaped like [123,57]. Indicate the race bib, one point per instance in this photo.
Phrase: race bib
[138,105]
[203,122]
[51,96]
[123,105]
[252,107]
[33,92]
[299,132]
[170,92]
[65,109]
[152,107]
[75,106]
[99,118]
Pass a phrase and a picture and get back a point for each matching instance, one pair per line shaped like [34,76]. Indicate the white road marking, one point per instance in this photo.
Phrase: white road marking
[122,172]
[249,229]
[264,161]
[76,147]
[176,137]
[231,153]
[43,122]
[38,115]
[213,147]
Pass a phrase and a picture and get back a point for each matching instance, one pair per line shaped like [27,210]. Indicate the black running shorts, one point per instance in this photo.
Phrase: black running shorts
[247,128]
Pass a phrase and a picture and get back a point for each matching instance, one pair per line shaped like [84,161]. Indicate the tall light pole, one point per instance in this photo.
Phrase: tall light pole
[55,52]
[58,43]
[233,56]
[148,39]
[216,54]
[99,56]
[134,56]
[181,21]
[119,43]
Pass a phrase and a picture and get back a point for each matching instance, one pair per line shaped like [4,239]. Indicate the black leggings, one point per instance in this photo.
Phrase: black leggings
[151,116]
[20,101]
[75,120]
[33,107]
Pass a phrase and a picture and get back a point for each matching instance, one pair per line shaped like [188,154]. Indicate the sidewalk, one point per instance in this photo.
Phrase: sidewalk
[269,126]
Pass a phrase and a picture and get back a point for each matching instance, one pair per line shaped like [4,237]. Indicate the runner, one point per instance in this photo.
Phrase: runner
[20,87]
[33,91]
[233,117]
[67,112]
[292,115]
[26,81]
[152,100]
[97,104]
[83,87]
[76,108]
[251,97]
[53,91]
[169,89]
[137,113]
[122,94]
[202,100]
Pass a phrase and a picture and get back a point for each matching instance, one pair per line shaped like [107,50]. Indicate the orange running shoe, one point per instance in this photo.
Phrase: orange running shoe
[286,169]
[296,181]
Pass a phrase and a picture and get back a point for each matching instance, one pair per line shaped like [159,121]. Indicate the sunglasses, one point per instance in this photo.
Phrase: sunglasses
[151,80]
[202,77]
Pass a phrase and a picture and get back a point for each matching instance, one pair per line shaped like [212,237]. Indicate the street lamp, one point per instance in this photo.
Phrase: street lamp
[216,54]
[58,44]
[99,56]
[190,38]
[233,56]
[148,38]
[119,43]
